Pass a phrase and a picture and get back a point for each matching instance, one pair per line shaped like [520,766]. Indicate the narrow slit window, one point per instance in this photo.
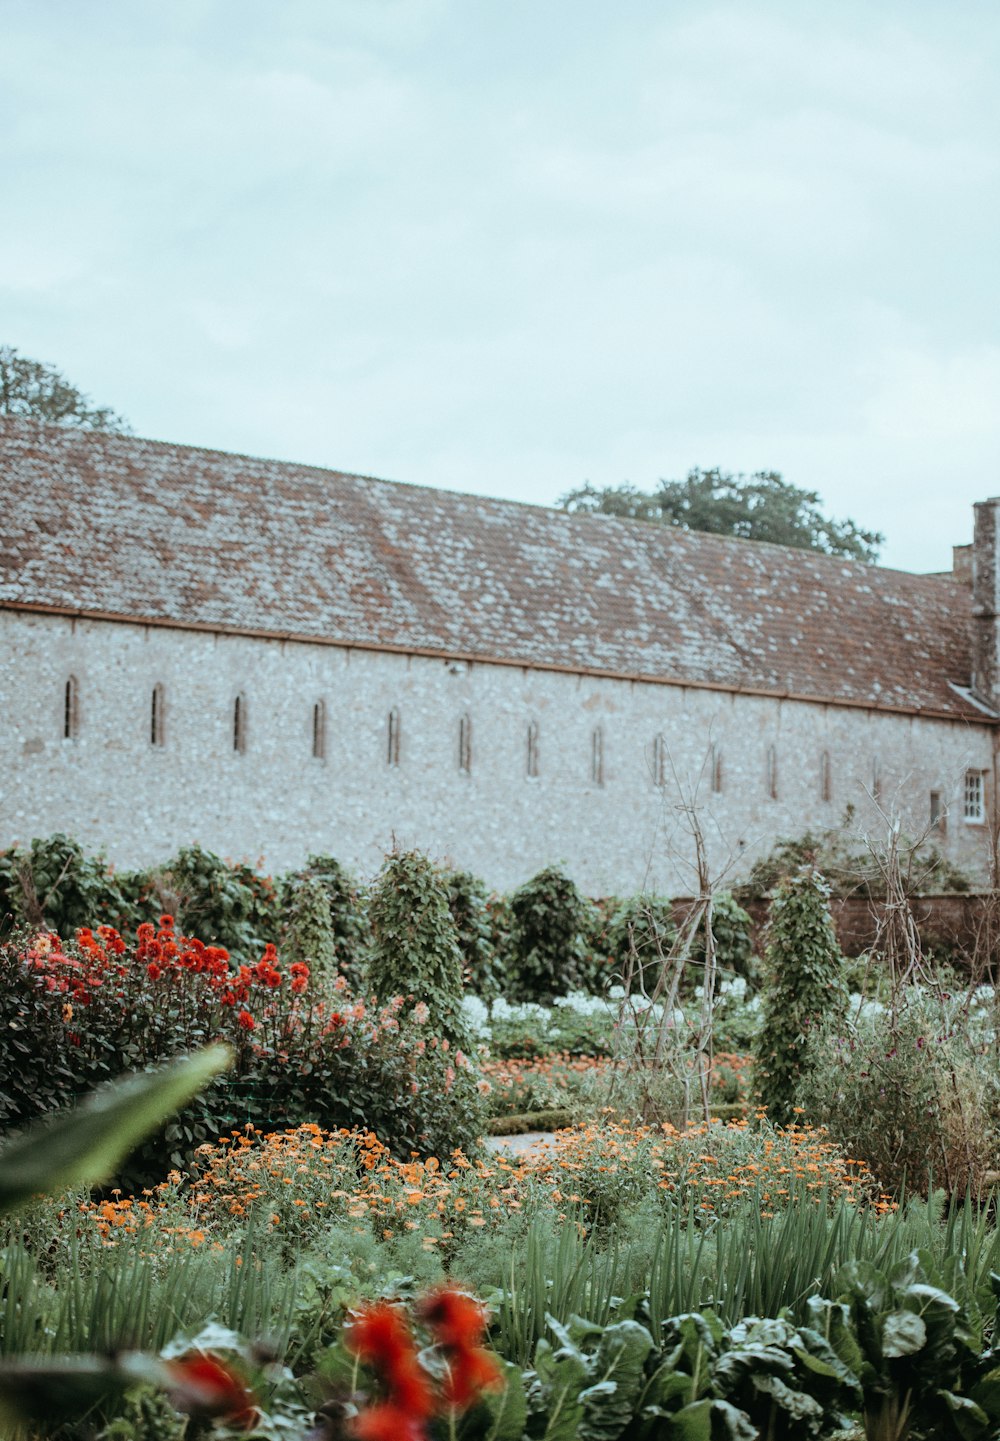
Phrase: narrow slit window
[974,798]
[876,779]
[156,717]
[825,783]
[465,744]
[772,773]
[240,724]
[532,748]
[319,731]
[938,813]
[597,756]
[716,770]
[71,709]
[392,738]
[659,760]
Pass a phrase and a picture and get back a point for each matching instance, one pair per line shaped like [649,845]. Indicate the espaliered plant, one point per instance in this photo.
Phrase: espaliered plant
[803,989]
[415,951]
[549,924]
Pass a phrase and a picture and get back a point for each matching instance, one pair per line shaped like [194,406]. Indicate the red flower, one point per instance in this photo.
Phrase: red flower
[245,1021]
[471,1370]
[388,1423]
[456,1319]
[153,971]
[381,1337]
[203,1386]
[458,1323]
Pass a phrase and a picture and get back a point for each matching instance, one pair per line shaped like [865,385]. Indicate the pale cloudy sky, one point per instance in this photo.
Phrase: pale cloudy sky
[507,246]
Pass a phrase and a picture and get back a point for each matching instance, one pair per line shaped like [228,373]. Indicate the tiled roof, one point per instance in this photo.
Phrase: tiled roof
[108,525]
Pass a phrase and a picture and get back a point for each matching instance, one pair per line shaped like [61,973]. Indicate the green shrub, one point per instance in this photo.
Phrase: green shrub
[348,916]
[468,901]
[415,951]
[732,932]
[803,989]
[643,926]
[308,936]
[912,1093]
[53,883]
[549,923]
[225,905]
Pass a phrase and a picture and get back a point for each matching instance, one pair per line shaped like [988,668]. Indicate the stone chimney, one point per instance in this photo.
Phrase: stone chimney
[961,564]
[986,603]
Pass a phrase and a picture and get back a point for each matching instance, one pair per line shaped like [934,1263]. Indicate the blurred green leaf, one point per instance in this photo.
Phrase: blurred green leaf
[83,1146]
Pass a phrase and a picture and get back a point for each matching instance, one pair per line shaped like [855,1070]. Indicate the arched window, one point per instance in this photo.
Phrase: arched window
[465,744]
[319,730]
[532,768]
[659,760]
[71,710]
[240,724]
[597,756]
[716,770]
[392,738]
[772,773]
[825,783]
[156,717]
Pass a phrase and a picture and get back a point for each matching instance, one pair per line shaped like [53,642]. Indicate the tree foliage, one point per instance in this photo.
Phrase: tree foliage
[30,389]
[761,506]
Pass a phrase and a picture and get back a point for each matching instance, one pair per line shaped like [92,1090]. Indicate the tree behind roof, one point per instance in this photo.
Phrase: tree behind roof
[31,390]
[761,506]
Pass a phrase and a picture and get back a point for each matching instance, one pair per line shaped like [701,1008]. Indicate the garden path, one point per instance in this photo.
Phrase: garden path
[521,1144]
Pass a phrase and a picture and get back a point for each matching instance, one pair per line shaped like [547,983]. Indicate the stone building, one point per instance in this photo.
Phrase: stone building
[272,659]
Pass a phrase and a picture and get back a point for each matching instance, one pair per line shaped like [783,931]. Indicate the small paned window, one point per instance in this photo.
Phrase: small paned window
[156,717]
[716,759]
[532,757]
[597,756]
[71,710]
[974,798]
[772,773]
[659,760]
[240,724]
[319,731]
[825,783]
[465,744]
[939,815]
[392,738]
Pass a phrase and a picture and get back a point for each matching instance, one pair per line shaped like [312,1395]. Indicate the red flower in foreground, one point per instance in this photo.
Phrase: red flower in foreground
[388,1423]
[458,1322]
[203,1386]
[381,1337]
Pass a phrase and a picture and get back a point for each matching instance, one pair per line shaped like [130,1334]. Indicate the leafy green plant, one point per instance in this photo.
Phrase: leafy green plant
[468,901]
[915,1349]
[549,921]
[225,905]
[415,951]
[348,915]
[308,936]
[641,927]
[53,883]
[803,989]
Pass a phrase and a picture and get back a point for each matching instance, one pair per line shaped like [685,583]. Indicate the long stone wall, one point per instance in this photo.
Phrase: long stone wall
[606,802]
